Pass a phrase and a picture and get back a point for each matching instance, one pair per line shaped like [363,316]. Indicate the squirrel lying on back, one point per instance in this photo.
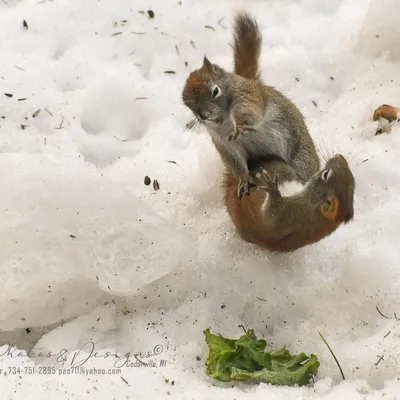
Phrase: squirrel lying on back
[284,222]
[245,118]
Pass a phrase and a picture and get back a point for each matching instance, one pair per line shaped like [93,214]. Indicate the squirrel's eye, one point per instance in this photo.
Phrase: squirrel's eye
[215,92]
[327,174]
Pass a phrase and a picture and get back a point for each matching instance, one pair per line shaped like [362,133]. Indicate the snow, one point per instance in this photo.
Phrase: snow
[89,254]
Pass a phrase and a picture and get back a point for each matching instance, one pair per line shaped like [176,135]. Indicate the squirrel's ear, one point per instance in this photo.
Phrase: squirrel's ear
[207,64]
[330,208]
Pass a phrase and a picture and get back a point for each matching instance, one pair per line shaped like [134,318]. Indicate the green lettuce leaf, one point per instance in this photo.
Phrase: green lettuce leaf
[244,359]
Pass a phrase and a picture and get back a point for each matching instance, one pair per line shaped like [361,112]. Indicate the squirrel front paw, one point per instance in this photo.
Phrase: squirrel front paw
[269,184]
[240,130]
[244,186]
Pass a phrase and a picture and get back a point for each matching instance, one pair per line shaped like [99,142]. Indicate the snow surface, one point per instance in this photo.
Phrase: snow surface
[90,253]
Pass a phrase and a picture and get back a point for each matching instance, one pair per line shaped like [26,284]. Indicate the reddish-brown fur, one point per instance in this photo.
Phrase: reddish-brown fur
[247,218]
[386,111]
[196,83]
[247,46]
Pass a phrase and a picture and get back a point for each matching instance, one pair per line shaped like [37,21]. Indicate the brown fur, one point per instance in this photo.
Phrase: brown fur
[301,224]
[195,87]
[245,118]
[387,112]
[247,46]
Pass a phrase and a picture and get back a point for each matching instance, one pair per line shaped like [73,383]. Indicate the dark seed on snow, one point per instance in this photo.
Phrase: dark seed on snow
[156,185]
[147,180]
[151,13]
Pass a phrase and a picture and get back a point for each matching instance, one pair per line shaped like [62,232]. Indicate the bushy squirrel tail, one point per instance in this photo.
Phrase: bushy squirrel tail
[247,45]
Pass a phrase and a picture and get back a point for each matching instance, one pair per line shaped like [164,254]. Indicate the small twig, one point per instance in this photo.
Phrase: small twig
[48,112]
[384,316]
[333,355]
[387,334]
[259,298]
[120,140]
[141,98]
[219,23]
[138,33]
[395,316]
[19,68]
[125,380]
[241,326]
[61,123]
[380,359]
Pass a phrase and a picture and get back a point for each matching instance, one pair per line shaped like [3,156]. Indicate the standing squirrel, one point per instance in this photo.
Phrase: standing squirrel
[245,118]
[277,218]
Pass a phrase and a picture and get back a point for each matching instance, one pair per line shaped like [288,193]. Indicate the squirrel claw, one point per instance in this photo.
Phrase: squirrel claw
[244,187]
[234,135]
[231,136]
[269,184]
[240,131]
